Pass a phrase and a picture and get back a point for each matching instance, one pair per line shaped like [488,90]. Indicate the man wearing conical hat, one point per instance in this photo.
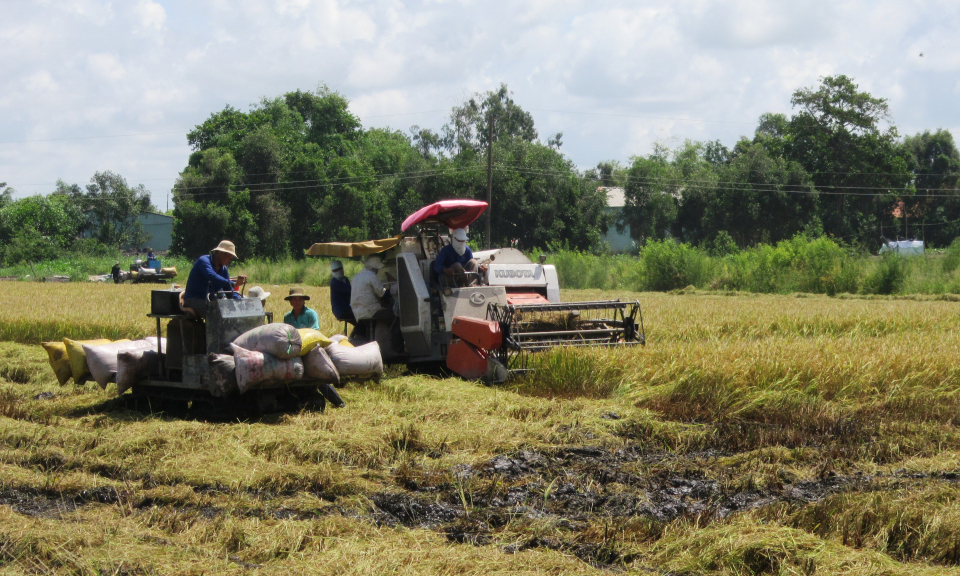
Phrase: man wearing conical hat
[209,276]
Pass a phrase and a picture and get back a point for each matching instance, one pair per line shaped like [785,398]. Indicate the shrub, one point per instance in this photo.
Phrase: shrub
[668,265]
[887,277]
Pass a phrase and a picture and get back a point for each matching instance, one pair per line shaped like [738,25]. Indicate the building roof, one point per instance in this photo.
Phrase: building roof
[614,196]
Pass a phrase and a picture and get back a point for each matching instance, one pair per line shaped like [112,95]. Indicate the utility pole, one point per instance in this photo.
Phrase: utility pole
[489,179]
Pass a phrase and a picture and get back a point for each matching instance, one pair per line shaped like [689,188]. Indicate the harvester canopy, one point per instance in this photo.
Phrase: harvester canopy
[451,213]
[350,249]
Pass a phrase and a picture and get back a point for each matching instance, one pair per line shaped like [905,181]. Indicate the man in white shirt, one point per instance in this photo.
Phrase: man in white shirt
[367,291]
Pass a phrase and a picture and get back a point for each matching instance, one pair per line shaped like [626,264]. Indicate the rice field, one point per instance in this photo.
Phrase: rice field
[754,434]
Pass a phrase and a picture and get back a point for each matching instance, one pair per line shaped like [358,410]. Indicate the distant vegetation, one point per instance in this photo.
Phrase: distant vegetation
[300,168]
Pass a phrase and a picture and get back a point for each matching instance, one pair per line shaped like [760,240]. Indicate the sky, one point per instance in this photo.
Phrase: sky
[90,85]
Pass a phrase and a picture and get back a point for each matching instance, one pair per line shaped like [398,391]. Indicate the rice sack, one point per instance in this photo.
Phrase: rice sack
[134,366]
[255,367]
[310,339]
[223,370]
[78,357]
[276,339]
[317,364]
[102,360]
[362,361]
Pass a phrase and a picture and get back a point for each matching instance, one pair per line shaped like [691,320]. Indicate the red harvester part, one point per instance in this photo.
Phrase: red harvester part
[481,333]
[515,298]
[466,360]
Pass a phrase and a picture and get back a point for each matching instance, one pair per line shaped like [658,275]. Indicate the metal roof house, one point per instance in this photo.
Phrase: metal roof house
[618,241]
[159,228]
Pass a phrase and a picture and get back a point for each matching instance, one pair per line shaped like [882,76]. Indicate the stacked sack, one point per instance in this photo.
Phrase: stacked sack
[282,352]
[83,360]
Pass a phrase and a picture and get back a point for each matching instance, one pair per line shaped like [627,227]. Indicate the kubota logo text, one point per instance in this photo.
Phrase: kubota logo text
[513,274]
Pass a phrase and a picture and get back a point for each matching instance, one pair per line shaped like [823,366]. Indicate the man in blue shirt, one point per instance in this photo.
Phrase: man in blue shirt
[455,261]
[209,275]
[340,293]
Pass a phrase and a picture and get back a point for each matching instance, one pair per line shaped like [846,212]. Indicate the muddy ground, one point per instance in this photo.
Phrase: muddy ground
[576,496]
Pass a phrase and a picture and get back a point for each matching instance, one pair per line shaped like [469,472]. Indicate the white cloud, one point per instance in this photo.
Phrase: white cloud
[83,68]
[151,14]
[106,66]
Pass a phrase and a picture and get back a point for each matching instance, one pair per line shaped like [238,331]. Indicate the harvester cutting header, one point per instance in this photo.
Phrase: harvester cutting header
[481,319]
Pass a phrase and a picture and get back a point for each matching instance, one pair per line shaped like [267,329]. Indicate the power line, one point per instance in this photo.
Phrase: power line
[88,137]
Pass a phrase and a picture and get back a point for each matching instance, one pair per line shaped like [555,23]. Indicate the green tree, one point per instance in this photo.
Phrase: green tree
[760,198]
[935,164]
[651,196]
[113,209]
[839,140]
[6,194]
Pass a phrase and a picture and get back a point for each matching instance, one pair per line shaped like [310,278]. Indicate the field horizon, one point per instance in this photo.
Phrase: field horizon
[754,434]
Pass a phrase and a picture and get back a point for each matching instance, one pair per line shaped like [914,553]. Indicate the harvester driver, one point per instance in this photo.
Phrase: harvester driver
[209,276]
[455,263]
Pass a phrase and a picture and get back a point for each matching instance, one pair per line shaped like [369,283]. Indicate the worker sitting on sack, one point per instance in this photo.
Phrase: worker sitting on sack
[340,294]
[373,305]
[368,293]
[209,276]
[301,316]
[455,264]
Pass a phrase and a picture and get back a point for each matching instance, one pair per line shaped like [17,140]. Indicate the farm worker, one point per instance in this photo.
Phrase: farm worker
[367,292]
[455,260]
[209,275]
[258,292]
[301,316]
[115,272]
[340,293]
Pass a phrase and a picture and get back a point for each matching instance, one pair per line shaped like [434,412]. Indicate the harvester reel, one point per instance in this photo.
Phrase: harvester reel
[536,327]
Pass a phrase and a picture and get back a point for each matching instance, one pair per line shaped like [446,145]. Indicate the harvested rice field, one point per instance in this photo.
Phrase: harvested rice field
[752,435]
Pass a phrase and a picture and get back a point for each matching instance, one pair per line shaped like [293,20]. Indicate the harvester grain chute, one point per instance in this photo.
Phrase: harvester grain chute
[483,331]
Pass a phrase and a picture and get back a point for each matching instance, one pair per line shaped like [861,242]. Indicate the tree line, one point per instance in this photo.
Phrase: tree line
[96,220]
[300,168]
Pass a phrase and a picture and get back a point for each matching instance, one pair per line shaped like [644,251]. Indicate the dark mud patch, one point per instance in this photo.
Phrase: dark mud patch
[580,494]
[38,504]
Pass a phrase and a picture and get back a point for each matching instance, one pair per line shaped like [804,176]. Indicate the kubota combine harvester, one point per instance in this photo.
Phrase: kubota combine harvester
[483,331]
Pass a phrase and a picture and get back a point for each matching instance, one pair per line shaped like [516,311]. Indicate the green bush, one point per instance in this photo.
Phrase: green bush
[669,266]
[887,277]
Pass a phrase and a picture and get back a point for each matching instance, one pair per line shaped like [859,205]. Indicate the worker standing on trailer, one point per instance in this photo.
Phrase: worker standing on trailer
[340,294]
[368,291]
[455,263]
[209,276]
[301,316]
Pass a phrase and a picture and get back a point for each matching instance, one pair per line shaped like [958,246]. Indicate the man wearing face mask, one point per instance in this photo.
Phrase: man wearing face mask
[340,294]
[455,261]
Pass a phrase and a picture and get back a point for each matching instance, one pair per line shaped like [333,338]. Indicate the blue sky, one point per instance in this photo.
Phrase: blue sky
[614,77]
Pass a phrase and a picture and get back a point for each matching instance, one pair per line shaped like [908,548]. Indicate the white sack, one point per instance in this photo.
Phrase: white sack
[317,364]
[255,367]
[153,342]
[134,366]
[223,370]
[360,361]
[276,339]
[102,360]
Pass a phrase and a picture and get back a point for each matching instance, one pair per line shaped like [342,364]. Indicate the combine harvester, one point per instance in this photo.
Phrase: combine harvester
[483,331]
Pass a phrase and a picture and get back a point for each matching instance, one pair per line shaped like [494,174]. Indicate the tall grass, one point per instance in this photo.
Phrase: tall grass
[818,266]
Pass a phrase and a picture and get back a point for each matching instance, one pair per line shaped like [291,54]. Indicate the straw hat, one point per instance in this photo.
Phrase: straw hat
[296,292]
[258,292]
[227,247]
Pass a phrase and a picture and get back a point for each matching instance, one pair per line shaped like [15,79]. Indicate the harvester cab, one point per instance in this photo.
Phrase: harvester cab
[483,330]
